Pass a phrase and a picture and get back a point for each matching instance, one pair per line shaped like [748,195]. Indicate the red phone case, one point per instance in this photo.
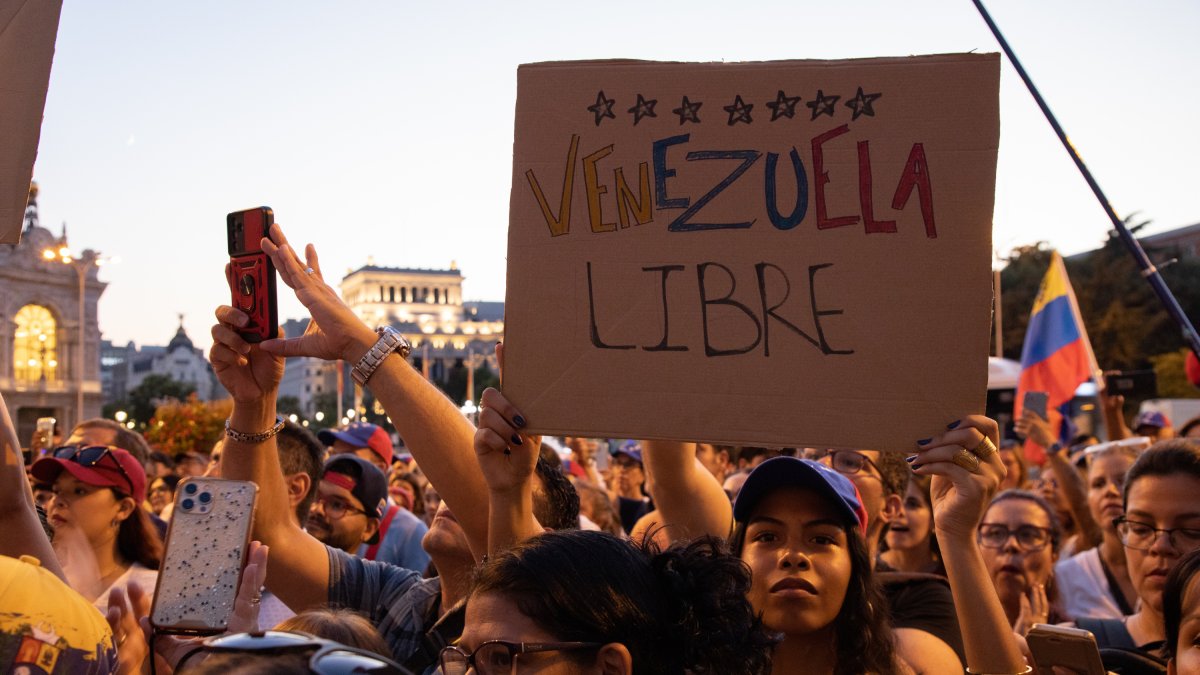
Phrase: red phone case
[251,274]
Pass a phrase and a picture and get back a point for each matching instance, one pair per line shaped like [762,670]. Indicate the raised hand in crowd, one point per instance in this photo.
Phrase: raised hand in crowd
[23,532]
[507,457]
[432,426]
[1069,481]
[967,470]
[129,611]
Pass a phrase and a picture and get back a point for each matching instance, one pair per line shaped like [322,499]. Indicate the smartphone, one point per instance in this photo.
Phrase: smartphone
[1072,648]
[1132,384]
[251,274]
[43,436]
[1036,401]
[207,544]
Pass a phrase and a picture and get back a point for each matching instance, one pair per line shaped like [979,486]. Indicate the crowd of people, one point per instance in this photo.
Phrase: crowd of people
[479,547]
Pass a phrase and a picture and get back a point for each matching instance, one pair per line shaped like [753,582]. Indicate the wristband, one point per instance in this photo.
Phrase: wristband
[1027,671]
[1054,448]
[254,438]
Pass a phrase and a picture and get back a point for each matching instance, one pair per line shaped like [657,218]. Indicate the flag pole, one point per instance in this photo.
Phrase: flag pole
[1149,271]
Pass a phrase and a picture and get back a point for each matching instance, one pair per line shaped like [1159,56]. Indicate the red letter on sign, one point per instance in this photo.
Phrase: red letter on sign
[864,193]
[916,174]
[820,178]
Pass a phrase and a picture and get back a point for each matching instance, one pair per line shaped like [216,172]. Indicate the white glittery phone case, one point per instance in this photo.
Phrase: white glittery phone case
[206,549]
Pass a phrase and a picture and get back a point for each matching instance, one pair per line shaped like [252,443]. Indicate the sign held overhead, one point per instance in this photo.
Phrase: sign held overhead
[780,253]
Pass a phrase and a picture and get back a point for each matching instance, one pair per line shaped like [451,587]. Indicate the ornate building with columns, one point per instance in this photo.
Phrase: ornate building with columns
[42,346]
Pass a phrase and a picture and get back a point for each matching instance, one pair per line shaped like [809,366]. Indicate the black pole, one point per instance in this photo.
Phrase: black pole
[1149,271]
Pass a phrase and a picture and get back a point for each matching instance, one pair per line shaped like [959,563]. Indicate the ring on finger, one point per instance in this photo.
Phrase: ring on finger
[255,599]
[309,271]
[966,459]
[985,448]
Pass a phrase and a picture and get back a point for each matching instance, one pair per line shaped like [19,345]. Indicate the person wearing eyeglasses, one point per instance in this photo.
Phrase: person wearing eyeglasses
[1019,537]
[104,537]
[1160,525]
[351,499]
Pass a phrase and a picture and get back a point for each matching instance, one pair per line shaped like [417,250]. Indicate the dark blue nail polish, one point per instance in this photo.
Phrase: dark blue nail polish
[914,467]
[924,441]
[910,460]
[953,425]
[519,421]
[516,439]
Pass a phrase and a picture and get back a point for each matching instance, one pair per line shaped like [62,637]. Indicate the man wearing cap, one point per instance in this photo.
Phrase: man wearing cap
[1153,425]
[363,439]
[351,499]
[629,477]
[400,532]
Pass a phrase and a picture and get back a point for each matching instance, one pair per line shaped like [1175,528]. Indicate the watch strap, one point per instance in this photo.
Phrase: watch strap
[390,340]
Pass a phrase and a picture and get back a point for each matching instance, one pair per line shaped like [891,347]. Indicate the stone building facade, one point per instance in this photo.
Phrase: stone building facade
[41,337]
[124,368]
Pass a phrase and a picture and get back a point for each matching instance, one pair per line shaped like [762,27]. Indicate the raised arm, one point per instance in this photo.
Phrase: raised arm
[967,471]
[23,534]
[689,498]
[507,460]
[299,570]
[439,436]
[1073,486]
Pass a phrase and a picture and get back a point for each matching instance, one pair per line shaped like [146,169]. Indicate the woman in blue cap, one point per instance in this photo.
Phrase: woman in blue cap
[799,526]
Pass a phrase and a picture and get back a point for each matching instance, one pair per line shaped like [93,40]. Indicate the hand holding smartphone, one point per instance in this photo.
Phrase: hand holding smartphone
[1036,401]
[1073,649]
[251,274]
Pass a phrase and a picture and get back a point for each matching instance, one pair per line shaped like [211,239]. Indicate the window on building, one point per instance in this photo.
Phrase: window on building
[307,388]
[437,296]
[391,293]
[35,345]
[403,294]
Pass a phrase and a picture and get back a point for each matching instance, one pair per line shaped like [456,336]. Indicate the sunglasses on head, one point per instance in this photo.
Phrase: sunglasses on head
[328,658]
[90,456]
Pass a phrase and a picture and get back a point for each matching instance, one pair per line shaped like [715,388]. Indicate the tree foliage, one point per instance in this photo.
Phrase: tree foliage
[188,426]
[155,390]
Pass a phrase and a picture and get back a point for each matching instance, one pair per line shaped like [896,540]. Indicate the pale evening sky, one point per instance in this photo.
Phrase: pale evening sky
[385,128]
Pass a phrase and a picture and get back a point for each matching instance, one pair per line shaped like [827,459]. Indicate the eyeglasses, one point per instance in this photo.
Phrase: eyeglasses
[336,508]
[90,456]
[329,658]
[497,657]
[1029,537]
[1141,536]
[849,462]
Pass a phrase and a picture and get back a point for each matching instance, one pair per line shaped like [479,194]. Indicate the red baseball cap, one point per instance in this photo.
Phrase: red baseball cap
[98,465]
[362,435]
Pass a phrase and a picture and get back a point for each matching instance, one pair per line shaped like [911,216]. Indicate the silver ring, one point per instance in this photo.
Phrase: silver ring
[309,270]
[255,600]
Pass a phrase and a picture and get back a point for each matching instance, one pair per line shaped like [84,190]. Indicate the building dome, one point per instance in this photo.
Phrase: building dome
[181,340]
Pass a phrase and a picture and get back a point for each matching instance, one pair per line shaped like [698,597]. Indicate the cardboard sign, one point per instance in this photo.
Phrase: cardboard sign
[27,32]
[787,253]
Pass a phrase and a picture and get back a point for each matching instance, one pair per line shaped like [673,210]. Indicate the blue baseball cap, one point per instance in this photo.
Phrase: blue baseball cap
[362,435]
[1151,418]
[784,471]
[631,449]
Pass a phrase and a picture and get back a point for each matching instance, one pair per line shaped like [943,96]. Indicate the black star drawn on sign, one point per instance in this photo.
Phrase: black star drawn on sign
[739,111]
[822,104]
[643,108]
[861,104]
[783,106]
[688,111]
[602,107]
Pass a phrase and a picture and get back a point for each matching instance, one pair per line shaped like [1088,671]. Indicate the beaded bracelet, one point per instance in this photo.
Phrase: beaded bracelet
[254,438]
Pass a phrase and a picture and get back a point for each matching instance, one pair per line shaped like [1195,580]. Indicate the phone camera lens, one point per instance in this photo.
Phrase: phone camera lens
[205,497]
[188,504]
[190,489]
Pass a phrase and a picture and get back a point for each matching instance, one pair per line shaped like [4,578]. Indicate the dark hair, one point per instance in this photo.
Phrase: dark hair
[1164,458]
[170,480]
[1177,582]
[1026,495]
[162,458]
[300,452]
[893,472]
[1188,426]
[124,438]
[137,538]
[251,663]
[340,625]
[679,610]
[862,627]
[550,456]
[555,501]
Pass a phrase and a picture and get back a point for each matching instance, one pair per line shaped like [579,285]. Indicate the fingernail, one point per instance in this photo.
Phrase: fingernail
[911,459]
[924,441]
[914,467]
[519,421]
[517,440]
[953,425]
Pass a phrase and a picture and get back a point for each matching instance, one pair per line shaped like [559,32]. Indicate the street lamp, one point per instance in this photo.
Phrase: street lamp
[81,264]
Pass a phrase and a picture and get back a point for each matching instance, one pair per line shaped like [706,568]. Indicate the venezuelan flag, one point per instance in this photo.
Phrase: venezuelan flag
[1057,356]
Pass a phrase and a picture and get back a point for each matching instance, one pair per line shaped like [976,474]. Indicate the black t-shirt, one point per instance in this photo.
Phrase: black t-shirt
[923,602]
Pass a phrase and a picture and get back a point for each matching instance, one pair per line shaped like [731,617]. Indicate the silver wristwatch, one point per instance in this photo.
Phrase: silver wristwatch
[390,340]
